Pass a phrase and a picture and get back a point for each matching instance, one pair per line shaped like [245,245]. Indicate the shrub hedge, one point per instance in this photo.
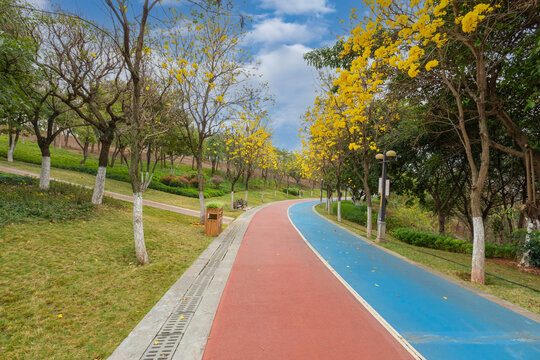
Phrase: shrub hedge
[441,242]
[355,213]
[292,191]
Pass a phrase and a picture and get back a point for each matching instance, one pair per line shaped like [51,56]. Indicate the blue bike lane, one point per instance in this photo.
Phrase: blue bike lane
[440,319]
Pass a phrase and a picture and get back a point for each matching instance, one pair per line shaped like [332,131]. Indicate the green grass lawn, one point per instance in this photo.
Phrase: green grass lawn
[516,294]
[70,288]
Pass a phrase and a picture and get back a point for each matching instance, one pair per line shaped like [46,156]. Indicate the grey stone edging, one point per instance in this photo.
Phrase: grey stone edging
[513,307]
[194,340]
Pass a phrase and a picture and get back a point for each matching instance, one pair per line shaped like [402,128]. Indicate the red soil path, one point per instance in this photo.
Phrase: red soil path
[281,302]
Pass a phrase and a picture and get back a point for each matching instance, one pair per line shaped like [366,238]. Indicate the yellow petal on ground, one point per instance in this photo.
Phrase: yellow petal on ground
[60,316]
[445,298]
[372,270]
[156,342]
[348,266]
[181,317]
[376,284]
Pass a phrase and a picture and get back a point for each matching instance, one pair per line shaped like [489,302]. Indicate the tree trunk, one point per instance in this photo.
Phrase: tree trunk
[12,144]
[85,153]
[232,199]
[532,224]
[200,178]
[328,206]
[441,217]
[338,201]
[478,256]
[99,187]
[264,188]
[66,140]
[138,231]
[45,177]
[248,176]
[369,222]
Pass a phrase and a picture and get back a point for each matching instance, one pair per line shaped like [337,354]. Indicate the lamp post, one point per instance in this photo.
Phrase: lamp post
[385,157]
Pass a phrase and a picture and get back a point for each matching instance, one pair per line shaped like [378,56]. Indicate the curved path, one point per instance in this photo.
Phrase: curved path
[440,319]
[281,302]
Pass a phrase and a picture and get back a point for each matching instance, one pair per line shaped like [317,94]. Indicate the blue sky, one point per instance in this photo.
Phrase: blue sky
[280,33]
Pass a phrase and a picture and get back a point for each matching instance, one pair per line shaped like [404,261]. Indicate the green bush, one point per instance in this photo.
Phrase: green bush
[441,242]
[215,204]
[292,191]
[355,213]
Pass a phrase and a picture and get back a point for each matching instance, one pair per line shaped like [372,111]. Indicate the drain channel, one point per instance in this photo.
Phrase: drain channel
[169,336]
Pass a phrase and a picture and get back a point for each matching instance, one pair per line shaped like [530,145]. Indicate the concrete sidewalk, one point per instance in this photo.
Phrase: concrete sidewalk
[176,209]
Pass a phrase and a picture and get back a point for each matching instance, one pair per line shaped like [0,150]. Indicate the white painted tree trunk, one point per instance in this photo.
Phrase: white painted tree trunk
[339,209]
[11,151]
[232,200]
[478,256]
[275,194]
[369,222]
[45,177]
[311,193]
[202,208]
[262,196]
[99,187]
[138,231]
[531,226]
[299,193]
[245,196]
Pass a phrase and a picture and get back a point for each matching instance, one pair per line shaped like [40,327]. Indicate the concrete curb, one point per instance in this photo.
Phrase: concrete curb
[194,340]
[515,308]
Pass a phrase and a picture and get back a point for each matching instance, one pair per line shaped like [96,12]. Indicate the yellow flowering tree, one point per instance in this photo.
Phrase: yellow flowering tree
[417,36]
[210,70]
[249,146]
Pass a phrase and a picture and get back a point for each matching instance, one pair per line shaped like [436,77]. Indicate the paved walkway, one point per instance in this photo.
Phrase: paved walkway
[263,290]
[281,302]
[176,209]
[439,318]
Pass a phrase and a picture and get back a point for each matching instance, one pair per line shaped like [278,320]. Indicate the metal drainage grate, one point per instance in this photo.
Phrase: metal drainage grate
[168,338]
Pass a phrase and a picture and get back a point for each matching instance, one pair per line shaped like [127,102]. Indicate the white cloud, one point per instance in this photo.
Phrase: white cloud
[297,6]
[292,82]
[275,30]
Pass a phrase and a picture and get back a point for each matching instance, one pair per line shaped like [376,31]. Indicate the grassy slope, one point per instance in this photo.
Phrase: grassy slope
[85,270]
[518,295]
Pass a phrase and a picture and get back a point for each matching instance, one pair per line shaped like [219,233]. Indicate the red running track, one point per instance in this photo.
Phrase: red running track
[281,302]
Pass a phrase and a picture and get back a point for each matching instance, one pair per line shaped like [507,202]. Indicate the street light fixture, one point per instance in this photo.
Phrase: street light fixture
[385,158]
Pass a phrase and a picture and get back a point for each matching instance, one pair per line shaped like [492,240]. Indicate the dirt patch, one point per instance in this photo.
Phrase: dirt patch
[512,264]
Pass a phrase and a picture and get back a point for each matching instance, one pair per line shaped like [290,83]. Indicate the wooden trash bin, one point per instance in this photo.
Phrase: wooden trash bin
[214,221]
